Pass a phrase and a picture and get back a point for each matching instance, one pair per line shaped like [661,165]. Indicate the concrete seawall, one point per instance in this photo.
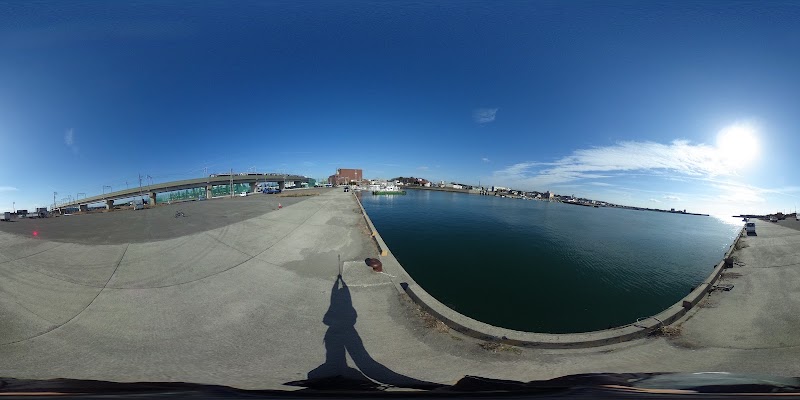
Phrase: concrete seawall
[474,328]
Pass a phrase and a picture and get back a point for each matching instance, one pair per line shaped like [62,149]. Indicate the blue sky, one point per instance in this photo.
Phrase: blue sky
[660,104]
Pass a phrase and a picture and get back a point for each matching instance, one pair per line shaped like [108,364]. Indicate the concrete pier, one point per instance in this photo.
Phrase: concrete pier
[237,292]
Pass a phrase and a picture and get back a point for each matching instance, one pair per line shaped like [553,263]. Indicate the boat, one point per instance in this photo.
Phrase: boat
[386,189]
[389,192]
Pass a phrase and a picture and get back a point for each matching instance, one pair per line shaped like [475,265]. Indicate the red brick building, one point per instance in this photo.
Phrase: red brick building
[344,176]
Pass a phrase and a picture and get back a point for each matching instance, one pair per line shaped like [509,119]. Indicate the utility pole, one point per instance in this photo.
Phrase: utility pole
[54,200]
[231,183]
[141,196]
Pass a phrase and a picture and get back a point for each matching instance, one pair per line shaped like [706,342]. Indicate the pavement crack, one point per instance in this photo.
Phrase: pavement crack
[236,265]
[364,285]
[191,281]
[227,245]
[779,266]
[31,255]
[67,280]
[79,312]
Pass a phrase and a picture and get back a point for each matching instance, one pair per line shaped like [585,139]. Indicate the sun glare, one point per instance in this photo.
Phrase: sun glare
[738,144]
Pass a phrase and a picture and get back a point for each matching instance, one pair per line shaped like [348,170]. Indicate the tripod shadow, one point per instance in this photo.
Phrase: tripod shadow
[341,339]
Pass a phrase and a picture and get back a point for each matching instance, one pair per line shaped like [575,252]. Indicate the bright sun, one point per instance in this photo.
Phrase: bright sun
[738,144]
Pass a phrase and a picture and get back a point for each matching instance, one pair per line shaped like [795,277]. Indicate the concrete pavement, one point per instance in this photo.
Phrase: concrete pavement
[153,224]
[761,312]
[256,303]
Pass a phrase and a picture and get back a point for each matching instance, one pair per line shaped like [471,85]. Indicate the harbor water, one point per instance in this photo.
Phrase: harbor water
[547,267]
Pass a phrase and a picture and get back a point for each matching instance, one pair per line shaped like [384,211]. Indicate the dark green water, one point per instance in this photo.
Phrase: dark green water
[547,267]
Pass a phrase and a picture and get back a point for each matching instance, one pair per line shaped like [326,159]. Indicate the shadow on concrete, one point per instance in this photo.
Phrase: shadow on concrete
[341,339]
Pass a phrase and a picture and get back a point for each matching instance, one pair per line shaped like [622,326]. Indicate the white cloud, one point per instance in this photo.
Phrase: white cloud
[677,158]
[484,115]
[786,190]
[484,159]
[8,189]
[422,168]
[69,140]
[740,194]
[601,184]
[655,201]
[673,198]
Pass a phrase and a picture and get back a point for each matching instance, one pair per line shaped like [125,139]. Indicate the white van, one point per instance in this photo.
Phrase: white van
[750,227]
